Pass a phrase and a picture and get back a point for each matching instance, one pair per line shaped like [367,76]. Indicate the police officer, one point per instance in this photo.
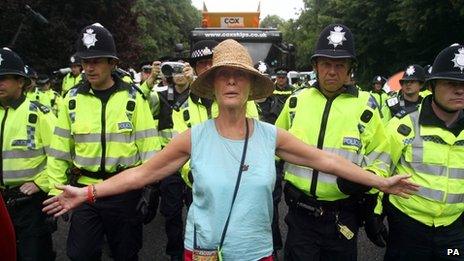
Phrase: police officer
[428,143]
[45,95]
[411,83]
[380,97]
[322,218]
[164,100]
[73,77]
[26,131]
[271,107]
[104,127]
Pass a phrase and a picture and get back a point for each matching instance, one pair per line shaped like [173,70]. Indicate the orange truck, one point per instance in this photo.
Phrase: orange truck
[264,44]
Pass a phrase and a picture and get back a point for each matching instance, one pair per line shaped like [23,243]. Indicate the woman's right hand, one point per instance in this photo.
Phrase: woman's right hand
[69,199]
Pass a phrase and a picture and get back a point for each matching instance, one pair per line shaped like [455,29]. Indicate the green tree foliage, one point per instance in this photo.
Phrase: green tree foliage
[389,34]
[163,24]
[49,47]
[142,29]
[272,21]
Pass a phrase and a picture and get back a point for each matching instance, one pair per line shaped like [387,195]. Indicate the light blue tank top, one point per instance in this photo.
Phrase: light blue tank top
[215,163]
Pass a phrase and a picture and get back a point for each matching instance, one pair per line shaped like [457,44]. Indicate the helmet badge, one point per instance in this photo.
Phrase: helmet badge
[1,59]
[336,37]
[410,71]
[379,79]
[207,51]
[459,59]
[89,39]
[72,59]
[262,67]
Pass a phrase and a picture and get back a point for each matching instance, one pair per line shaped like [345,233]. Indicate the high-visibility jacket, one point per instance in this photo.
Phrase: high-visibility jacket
[49,98]
[26,132]
[196,110]
[101,137]
[425,93]
[69,81]
[348,125]
[434,157]
[384,111]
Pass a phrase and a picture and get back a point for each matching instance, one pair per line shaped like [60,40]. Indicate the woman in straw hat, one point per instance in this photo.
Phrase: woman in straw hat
[232,161]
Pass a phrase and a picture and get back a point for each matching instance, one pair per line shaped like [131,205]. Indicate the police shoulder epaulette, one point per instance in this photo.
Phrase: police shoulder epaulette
[372,102]
[392,101]
[405,111]
[139,91]
[44,109]
[299,89]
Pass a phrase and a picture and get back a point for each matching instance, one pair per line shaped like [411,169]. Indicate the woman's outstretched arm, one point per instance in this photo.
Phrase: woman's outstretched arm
[292,150]
[161,165]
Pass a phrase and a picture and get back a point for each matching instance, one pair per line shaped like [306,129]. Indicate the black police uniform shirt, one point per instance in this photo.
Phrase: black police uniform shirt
[272,106]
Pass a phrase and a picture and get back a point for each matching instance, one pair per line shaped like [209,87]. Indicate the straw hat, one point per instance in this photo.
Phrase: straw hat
[230,53]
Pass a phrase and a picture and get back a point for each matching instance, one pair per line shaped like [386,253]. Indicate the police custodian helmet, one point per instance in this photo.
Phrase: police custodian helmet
[379,79]
[201,50]
[95,41]
[449,64]
[12,64]
[413,72]
[335,41]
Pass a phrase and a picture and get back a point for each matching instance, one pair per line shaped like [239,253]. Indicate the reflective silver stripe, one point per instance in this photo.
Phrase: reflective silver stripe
[307,173]
[147,155]
[327,178]
[115,137]
[456,173]
[16,174]
[382,156]
[435,170]
[146,134]
[417,142]
[109,161]
[299,171]
[175,133]
[62,132]
[455,198]
[166,134]
[59,154]
[429,193]
[424,167]
[23,154]
[349,155]
[91,137]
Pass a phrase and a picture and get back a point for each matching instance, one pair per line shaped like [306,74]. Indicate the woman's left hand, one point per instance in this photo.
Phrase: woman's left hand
[399,185]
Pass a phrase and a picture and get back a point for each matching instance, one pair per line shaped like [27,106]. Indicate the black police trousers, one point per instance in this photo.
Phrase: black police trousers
[33,235]
[172,201]
[317,238]
[117,218]
[409,240]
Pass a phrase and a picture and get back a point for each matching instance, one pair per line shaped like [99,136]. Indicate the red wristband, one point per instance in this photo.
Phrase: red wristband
[91,194]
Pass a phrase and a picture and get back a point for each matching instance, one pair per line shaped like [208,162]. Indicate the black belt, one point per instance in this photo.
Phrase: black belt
[75,173]
[298,200]
[14,197]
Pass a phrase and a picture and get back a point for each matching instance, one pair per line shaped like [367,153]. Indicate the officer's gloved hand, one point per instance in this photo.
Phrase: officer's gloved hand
[351,188]
[376,230]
